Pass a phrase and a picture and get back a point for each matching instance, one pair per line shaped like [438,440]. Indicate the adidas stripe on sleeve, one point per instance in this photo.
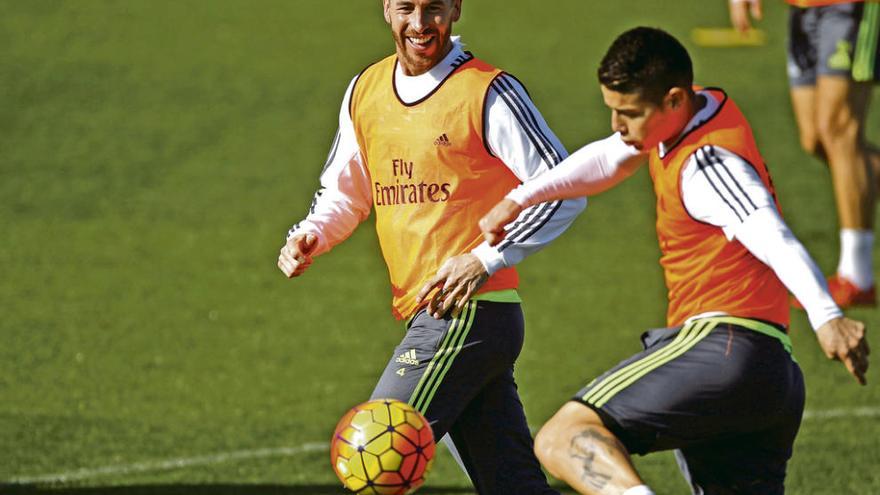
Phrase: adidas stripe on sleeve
[518,135]
[722,189]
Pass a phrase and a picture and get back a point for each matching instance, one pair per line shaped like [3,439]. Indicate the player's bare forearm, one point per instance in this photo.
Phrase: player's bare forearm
[845,340]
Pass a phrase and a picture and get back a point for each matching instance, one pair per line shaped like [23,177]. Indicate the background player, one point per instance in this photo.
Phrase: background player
[719,384]
[431,138]
[832,62]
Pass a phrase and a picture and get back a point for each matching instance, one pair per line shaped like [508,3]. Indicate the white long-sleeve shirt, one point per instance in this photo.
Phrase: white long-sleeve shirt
[719,188]
[515,132]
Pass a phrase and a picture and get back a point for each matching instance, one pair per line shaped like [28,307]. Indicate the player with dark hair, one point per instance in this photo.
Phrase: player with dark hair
[719,384]
[630,67]
[833,63]
[430,138]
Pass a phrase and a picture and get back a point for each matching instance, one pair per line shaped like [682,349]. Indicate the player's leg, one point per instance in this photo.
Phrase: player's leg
[801,63]
[426,339]
[408,363]
[576,447]
[866,69]
[411,358]
[493,435]
[752,461]
[874,160]
[840,117]
[866,62]
[840,120]
[745,447]
[706,382]
[443,366]
[803,103]
[585,445]
[841,112]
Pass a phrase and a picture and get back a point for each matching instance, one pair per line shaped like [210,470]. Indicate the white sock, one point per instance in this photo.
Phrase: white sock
[856,257]
[639,490]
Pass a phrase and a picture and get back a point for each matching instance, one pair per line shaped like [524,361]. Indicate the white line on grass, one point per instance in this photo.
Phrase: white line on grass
[219,458]
[861,412]
[169,464]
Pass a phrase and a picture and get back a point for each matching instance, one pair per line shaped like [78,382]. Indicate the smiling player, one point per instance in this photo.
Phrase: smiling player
[430,139]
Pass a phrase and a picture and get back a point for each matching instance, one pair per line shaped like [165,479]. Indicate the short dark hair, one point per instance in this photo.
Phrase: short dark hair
[647,61]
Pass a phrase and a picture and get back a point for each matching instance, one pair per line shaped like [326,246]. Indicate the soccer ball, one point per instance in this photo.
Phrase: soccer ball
[382,447]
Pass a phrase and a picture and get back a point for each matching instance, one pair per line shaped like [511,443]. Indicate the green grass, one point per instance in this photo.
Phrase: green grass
[154,154]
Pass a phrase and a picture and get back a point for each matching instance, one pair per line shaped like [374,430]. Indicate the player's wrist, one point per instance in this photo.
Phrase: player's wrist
[520,196]
[820,318]
[491,259]
[302,230]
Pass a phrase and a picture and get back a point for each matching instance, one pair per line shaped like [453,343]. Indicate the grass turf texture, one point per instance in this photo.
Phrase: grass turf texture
[154,154]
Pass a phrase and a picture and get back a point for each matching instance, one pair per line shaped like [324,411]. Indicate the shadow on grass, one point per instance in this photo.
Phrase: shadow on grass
[207,489]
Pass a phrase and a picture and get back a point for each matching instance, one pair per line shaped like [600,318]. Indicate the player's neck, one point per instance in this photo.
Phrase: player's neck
[690,107]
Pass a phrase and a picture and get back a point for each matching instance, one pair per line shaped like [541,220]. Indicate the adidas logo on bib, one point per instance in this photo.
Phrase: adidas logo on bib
[442,141]
[408,357]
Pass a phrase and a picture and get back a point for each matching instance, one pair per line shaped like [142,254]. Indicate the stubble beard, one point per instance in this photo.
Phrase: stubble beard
[416,65]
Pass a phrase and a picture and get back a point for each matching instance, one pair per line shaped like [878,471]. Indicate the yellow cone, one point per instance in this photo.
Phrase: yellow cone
[725,37]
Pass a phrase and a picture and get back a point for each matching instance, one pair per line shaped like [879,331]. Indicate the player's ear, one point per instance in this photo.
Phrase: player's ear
[674,98]
[456,10]
[386,7]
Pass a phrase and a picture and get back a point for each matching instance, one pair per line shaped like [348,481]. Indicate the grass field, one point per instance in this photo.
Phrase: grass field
[154,154]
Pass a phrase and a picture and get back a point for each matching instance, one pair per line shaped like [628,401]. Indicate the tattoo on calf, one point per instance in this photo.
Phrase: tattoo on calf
[584,448]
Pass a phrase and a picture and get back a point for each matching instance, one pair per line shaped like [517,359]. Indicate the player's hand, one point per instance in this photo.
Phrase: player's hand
[457,280]
[492,224]
[740,11]
[296,255]
[844,340]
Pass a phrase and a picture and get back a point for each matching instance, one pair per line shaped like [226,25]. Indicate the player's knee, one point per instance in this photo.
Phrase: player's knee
[550,443]
[554,438]
[545,446]
[836,130]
